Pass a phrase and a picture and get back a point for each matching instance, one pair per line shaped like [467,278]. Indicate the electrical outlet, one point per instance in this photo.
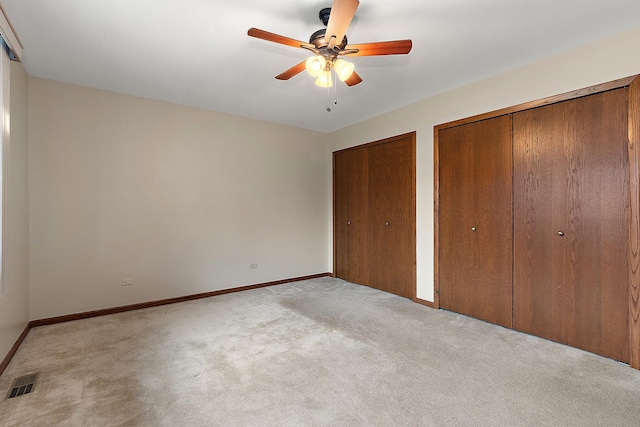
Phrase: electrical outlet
[253,266]
[126,282]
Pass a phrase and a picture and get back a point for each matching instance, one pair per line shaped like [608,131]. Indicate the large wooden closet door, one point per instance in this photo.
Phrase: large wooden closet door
[475,220]
[571,227]
[392,217]
[351,215]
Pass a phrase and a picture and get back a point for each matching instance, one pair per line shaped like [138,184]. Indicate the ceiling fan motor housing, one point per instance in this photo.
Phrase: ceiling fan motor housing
[317,39]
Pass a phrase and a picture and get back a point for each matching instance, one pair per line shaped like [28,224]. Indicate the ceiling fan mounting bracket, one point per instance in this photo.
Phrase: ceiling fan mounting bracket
[324,15]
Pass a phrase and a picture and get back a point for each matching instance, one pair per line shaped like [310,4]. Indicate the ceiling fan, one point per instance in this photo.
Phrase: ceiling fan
[330,44]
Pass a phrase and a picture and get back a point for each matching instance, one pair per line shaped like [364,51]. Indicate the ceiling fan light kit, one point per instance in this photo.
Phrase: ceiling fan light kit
[327,51]
[343,69]
[324,79]
[315,65]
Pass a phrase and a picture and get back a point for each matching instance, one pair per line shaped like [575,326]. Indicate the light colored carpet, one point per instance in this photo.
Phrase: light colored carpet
[321,352]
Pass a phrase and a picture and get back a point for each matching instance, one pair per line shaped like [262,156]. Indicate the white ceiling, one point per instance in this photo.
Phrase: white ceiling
[197,52]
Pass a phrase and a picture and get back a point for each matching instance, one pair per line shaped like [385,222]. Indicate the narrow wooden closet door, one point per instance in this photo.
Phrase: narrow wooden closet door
[351,218]
[358,217]
[392,216]
[475,220]
[341,214]
[571,227]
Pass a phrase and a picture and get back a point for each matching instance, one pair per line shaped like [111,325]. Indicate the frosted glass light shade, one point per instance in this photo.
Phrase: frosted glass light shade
[324,79]
[315,65]
[343,69]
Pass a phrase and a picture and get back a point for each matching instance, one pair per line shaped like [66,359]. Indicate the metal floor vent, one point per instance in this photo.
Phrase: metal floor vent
[22,385]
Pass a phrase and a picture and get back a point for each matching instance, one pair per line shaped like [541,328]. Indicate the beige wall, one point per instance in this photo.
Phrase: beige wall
[180,199]
[14,305]
[595,63]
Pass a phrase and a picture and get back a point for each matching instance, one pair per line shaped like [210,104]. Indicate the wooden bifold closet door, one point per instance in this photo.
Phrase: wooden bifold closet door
[537,218]
[374,215]
[571,223]
[475,229]
[351,215]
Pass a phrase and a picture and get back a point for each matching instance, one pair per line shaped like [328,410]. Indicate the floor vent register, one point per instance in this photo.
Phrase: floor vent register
[22,385]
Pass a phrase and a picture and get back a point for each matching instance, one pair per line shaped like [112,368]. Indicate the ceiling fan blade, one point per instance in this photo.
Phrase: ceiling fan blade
[276,38]
[396,47]
[354,79]
[296,69]
[342,12]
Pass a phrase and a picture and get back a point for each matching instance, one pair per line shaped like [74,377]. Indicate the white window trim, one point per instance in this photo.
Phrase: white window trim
[9,35]
[10,45]
[5,83]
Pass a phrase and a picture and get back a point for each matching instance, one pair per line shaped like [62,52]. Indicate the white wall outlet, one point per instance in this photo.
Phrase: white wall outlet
[126,282]
[253,266]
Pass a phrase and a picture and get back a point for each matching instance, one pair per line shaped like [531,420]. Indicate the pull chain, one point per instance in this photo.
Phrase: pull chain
[335,100]
[328,99]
